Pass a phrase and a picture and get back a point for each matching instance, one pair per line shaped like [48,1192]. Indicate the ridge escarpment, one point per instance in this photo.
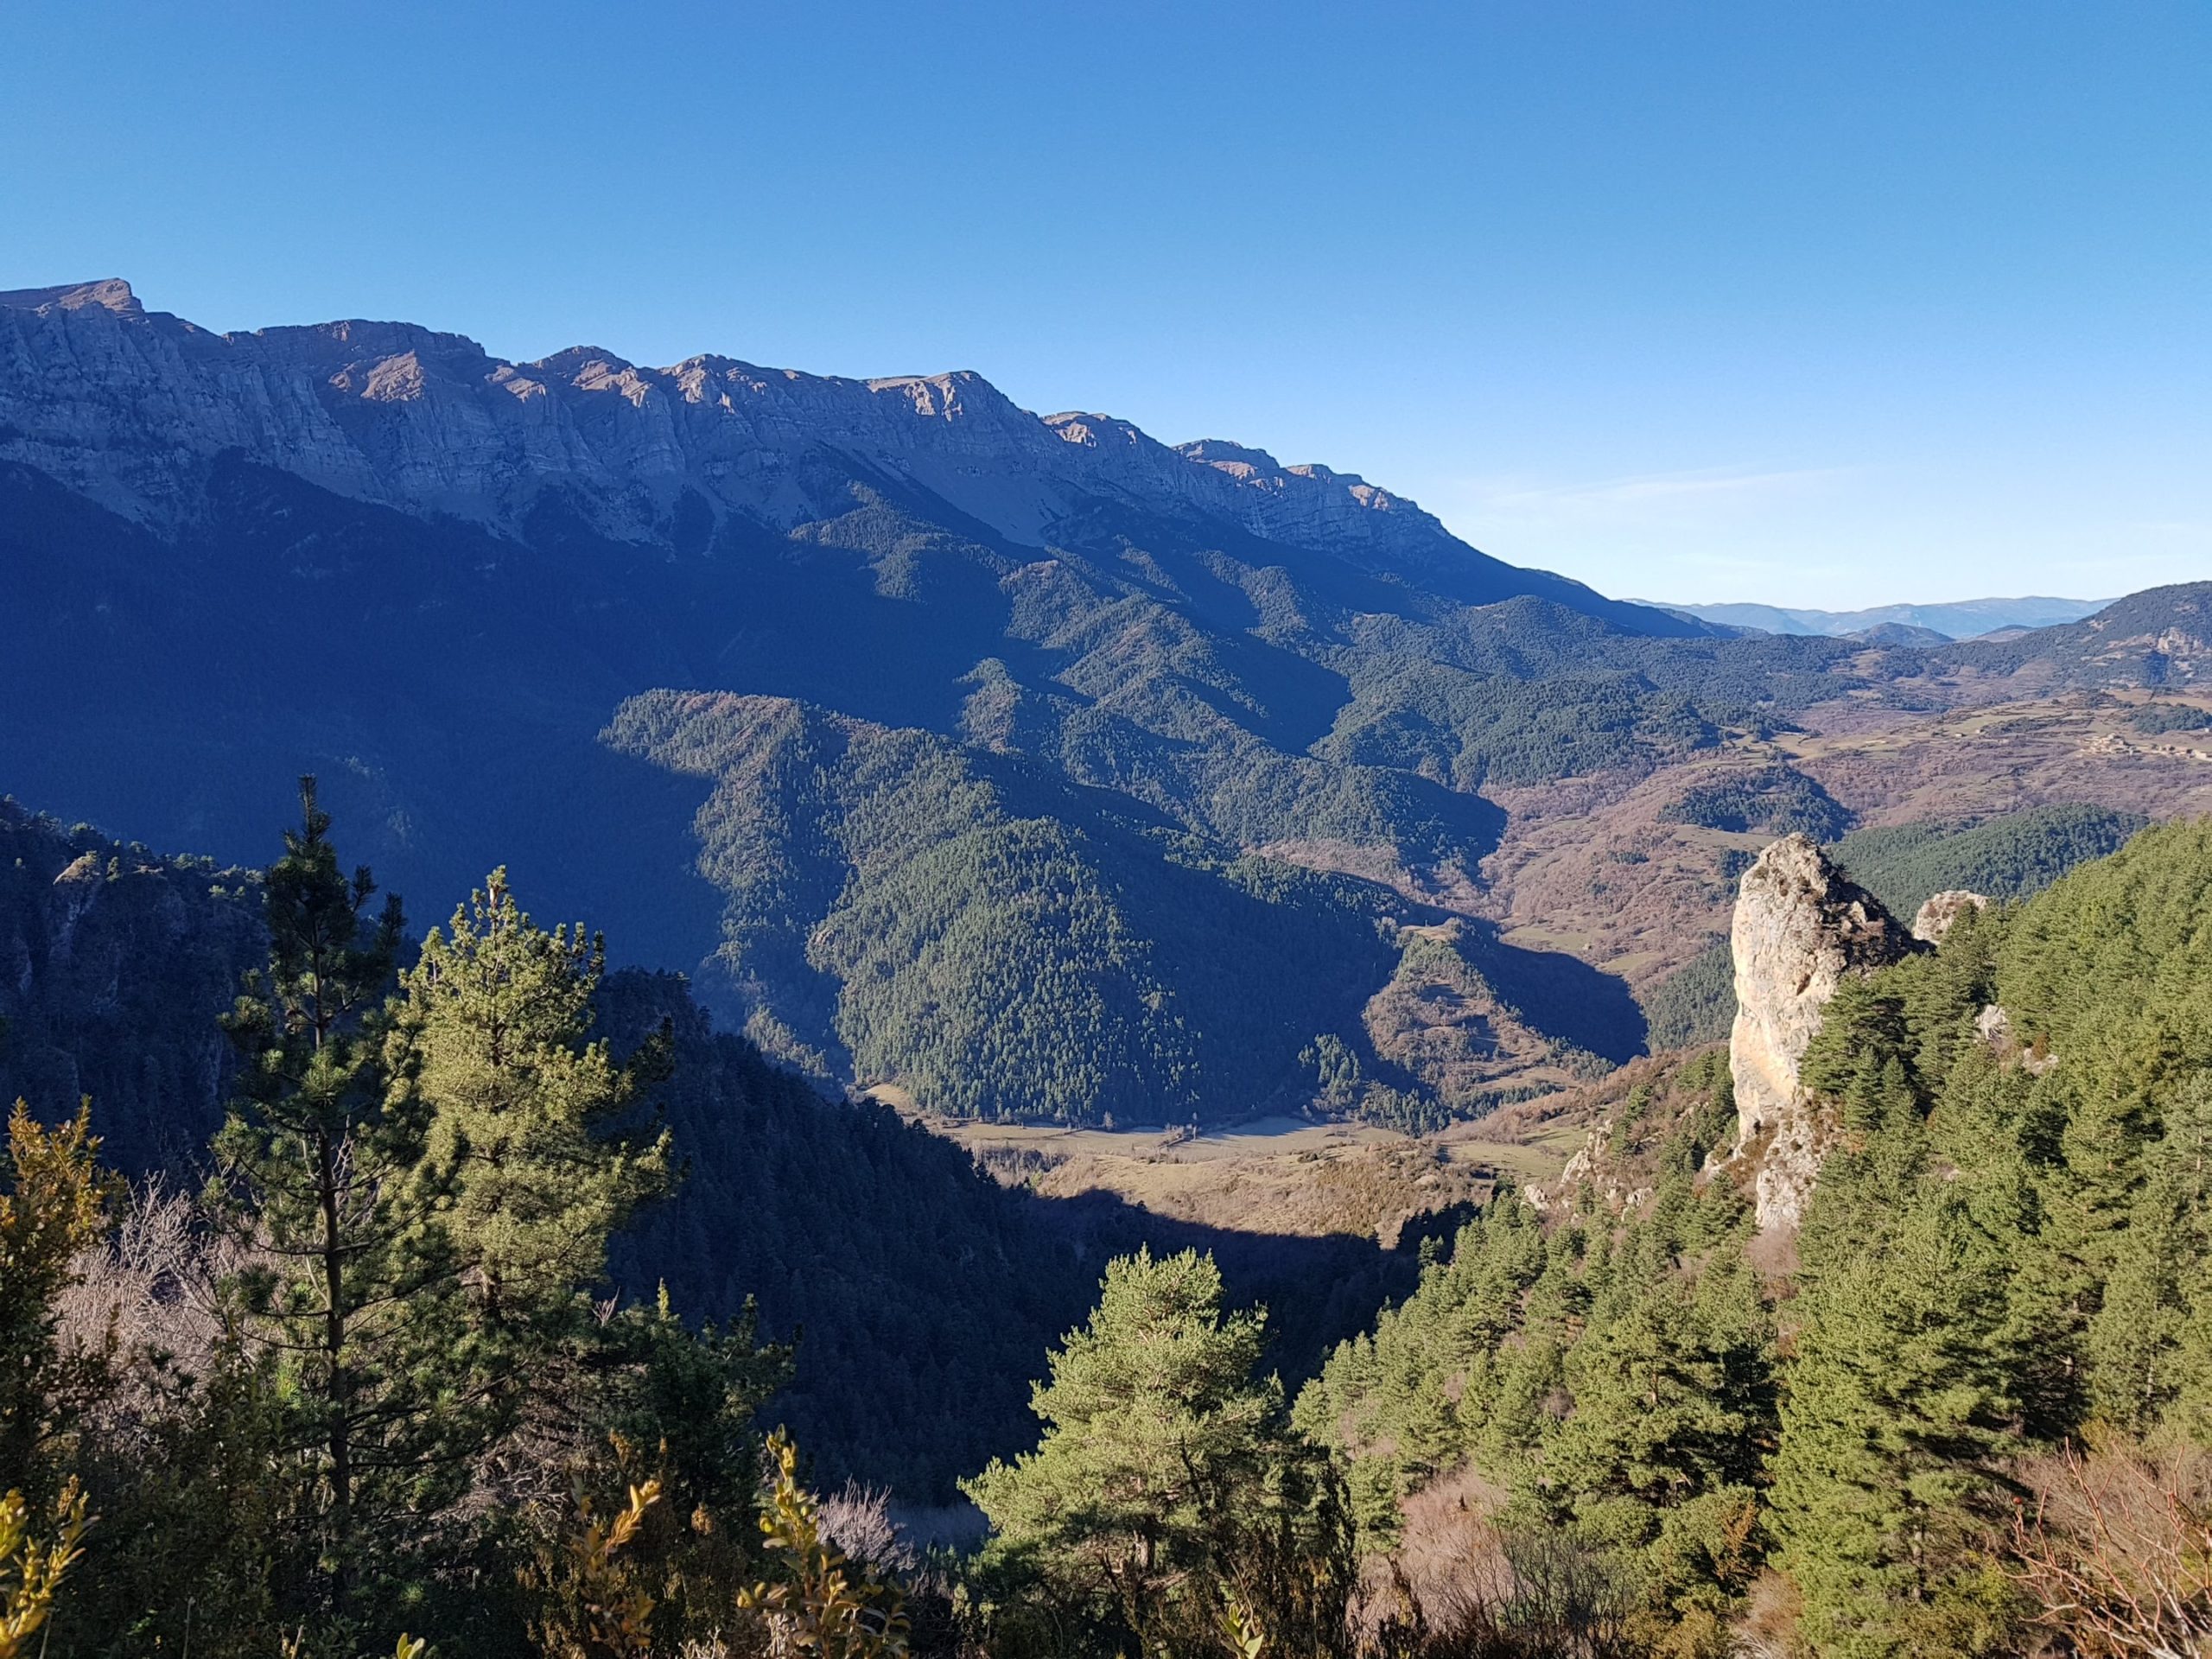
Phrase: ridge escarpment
[127,405]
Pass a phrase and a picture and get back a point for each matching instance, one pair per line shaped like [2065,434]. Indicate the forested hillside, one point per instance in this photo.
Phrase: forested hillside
[917,1291]
[1611,1380]
[997,941]
[2162,637]
[2006,1255]
[911,1365]
[2011,857]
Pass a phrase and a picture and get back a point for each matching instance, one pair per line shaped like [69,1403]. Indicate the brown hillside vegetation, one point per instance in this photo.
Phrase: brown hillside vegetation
[1591,866]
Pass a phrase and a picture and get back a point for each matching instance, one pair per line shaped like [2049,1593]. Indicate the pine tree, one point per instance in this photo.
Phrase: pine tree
[1166,1472]
[692,1396]
[2142,1345]
[1900,1404]
[322,1183]
[1978,1142]
[1672,1385]
[525,1116]
[1653,1468]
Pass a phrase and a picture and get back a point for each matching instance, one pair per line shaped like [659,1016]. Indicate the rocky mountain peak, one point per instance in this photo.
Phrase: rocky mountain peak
[1235,459]
[1093,431]
[580,362]
[1801,928]
[957,395]
[110,294]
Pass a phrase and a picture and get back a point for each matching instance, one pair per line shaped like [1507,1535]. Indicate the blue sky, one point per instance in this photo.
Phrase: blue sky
[1810,304]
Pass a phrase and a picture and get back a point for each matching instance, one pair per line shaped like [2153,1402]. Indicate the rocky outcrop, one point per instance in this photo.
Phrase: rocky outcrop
[113,967]
[129,406]
[1994,1026]
[1941,913]
[1801,926]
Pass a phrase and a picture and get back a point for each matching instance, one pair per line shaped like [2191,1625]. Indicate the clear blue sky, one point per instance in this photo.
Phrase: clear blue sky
[1826,304]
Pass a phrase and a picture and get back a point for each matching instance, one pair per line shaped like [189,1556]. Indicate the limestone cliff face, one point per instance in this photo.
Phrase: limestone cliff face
[125,404]
[1801,927]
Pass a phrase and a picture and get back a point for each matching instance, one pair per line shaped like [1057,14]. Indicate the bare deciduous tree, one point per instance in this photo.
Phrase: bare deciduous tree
[858,1522]
[150,1290]
[2116,1548]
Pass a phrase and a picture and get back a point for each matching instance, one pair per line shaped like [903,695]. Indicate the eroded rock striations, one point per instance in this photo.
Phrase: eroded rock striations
[128,405]
[1801,927]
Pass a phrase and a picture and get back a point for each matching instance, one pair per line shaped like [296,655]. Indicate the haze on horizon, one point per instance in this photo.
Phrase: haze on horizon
[1807,310]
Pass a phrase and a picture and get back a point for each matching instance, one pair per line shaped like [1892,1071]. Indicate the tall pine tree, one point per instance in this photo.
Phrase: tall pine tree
[322,1181]
[2146,1344]
[527,1121]
[1167,1478]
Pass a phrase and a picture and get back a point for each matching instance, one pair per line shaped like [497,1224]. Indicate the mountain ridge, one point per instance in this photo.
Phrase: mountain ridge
[429,422]
[1226,787]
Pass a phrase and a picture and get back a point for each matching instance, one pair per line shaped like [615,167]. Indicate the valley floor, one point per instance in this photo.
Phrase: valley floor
[1277,1175]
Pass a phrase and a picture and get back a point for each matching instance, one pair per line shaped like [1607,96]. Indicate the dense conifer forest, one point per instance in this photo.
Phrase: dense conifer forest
[471,1321]
[1991,1341]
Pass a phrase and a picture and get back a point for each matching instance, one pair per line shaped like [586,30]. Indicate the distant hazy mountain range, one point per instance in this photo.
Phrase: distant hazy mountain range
[1967,619]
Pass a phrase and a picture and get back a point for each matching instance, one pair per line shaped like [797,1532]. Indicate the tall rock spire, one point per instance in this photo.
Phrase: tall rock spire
[1801,927]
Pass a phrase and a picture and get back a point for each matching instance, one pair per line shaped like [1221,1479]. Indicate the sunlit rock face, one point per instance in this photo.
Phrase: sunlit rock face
[424,421]
[1933,920]
[1801,927]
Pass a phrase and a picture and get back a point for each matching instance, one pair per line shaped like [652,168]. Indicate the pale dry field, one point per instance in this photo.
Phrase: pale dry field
[1271,1175]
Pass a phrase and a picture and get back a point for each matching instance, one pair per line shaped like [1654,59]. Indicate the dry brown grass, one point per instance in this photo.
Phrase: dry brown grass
[1588,866]
[1279,1175]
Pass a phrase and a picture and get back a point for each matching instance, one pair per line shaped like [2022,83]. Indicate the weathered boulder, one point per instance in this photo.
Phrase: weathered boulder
[1801,927]
[1936,919]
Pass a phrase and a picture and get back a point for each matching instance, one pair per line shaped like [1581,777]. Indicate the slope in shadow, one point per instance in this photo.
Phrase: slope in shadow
[1566,997]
